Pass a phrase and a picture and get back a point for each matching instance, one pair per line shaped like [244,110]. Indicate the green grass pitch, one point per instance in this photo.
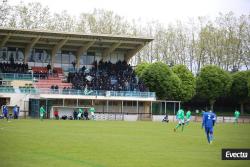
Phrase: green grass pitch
[51,143]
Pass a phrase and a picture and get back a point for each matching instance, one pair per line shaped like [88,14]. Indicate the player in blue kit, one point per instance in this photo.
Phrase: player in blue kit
[208,122]
[6,112]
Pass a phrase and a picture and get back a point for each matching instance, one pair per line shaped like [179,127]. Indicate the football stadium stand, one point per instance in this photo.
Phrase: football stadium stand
[107,76]
[68,71]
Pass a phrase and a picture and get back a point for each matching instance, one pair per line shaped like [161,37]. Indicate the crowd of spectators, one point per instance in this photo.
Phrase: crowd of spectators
[40,74]
[54,87]
[107,76]
[6,67]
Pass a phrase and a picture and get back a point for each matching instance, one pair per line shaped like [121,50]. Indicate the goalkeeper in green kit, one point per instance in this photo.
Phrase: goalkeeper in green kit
[181,119]
[236,116]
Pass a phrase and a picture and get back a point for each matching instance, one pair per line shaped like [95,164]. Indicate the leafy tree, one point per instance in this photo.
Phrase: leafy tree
[5,9]
[248,85]
[187,89]
[31,16]
[212,82]
[102,21]
[140,68]
[239,88]
[62,22]
[158,77]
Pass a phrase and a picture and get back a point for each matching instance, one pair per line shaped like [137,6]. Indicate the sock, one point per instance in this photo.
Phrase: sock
[211,137]
[208,137]
[177,126]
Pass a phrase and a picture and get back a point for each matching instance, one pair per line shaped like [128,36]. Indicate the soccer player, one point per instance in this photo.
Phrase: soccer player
[5,112]
[188,117]
[79,114]
[180,117]
[236,116]
[208,122]
[15,111]
[42,112]
[92,111]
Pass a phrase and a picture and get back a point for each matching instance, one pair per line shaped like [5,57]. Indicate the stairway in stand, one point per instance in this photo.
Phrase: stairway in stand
[53,80]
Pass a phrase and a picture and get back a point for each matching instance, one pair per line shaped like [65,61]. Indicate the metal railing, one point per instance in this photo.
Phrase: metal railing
[16,76]
[130,93]
[38,76]
[7,89]
[21,76]
[95,93]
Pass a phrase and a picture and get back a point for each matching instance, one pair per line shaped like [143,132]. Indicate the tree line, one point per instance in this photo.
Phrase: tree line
[179,83]
[223,41]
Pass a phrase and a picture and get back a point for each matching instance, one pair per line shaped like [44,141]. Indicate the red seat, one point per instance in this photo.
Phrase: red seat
[52,80]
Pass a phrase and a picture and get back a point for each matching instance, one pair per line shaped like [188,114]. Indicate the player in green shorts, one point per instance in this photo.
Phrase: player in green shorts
[188,117]
[42,112]
[236,116]
[181,119]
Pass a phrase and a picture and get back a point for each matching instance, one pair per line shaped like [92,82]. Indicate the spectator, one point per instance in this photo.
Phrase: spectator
[86,114]
[49,68]
[56,114]
[13,67]
[74,65]
[83,68]
[75,114]
[52,88]
[11,59]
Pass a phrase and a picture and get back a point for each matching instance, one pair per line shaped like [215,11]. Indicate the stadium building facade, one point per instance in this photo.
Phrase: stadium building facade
[67,53]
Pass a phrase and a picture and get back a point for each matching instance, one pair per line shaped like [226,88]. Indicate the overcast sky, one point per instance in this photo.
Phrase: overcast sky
[163,10]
